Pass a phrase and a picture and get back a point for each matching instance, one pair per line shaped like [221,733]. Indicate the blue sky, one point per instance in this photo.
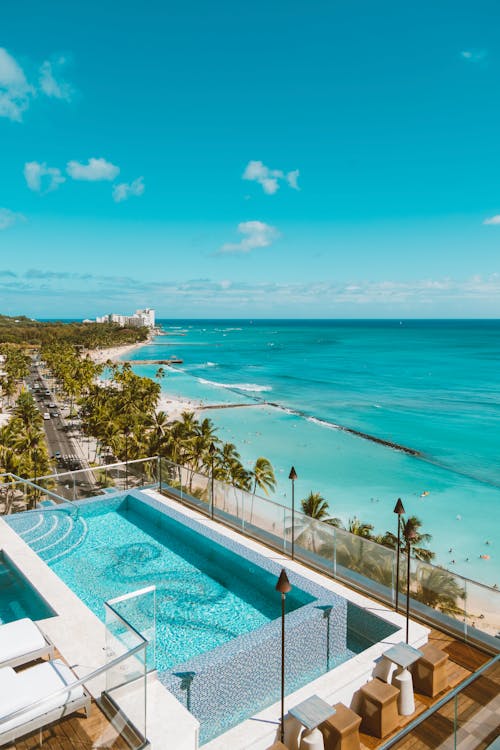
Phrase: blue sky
[264,159]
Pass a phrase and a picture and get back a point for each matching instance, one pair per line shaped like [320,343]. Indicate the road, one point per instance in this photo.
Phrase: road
[57,432]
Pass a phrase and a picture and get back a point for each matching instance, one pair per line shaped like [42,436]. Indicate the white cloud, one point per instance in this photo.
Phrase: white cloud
[492,220]
[292,178]
[8,218]
[124,190]
[269,178]
[15,91]
[95,170]
[41,178]
[255,234]
[431,297]
[49,83]
[474,55]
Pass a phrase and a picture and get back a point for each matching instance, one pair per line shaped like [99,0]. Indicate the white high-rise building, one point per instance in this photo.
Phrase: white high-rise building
[140,318]
[148,315]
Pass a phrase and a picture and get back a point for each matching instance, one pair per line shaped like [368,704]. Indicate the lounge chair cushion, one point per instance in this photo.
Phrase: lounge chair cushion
[18,638]
[33,684]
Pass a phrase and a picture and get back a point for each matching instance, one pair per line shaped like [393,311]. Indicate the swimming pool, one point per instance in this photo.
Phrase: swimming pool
[17,597]
[217,610]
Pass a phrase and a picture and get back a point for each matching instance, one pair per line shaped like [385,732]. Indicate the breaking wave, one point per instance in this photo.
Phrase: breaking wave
[251,387]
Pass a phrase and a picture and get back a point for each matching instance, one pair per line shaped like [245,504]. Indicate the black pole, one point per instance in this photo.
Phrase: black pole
[408,553]
[282,723]
[212,488]
[35,462]
[397,562]
[159,470]
[293,476]
[126,431]
[399,510]
[211,450]
[283,586]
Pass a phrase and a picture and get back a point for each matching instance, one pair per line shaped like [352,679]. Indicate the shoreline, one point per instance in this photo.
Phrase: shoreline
[174,404]
[100,356]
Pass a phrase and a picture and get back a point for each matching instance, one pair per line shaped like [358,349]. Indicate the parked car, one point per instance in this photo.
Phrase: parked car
[46,415]
[54,413]
[52,405]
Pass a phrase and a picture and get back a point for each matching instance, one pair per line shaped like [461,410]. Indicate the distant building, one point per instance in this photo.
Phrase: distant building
[140,318]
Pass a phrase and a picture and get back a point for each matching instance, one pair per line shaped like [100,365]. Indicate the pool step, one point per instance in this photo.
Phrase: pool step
[50,533]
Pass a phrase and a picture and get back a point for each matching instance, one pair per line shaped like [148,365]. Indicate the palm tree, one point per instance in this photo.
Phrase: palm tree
[312,534]
[11,463]
[358,528]
[411,531]
[439,589]
[315,506]
[26,410]
[263,477]
[157,423]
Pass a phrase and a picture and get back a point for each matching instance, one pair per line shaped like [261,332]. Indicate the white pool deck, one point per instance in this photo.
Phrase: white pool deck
[80,637]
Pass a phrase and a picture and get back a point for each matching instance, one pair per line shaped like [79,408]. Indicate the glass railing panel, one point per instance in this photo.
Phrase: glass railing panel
[115,708]
[314,541]
[97,480]
[142,473]
[482,609]
[267,521]
[468,718]
[131,618]
[17,496]
[365,563]
[172,478]
[219,497]
[119,715]
[13,496]
[127,657]
[438,592]
[233,509]
[199,487]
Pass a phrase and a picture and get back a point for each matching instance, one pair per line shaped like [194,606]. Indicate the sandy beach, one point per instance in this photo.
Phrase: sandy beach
[114,353]
[174,406]
[171,405]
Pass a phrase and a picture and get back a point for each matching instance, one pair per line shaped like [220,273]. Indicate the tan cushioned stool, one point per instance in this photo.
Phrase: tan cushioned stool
[429,672]
[379,708]
[278,746]
[341,731]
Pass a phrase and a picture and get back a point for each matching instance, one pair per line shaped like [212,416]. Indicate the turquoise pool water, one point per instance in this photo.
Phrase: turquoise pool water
[205,595]
[217,611]
[17,597]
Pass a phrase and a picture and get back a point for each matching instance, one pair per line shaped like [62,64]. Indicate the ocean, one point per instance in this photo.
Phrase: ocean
[429,386]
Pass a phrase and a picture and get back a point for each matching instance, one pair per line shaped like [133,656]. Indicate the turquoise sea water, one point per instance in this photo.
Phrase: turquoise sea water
[432,386]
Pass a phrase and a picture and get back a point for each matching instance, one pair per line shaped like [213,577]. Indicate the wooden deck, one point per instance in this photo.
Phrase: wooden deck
[478,706]
[75,732]
[81,732]
[479,714]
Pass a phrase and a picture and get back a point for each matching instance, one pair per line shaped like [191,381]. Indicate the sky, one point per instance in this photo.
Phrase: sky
[265,159]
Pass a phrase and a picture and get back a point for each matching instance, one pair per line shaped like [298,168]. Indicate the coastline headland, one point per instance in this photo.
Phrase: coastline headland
[118,352]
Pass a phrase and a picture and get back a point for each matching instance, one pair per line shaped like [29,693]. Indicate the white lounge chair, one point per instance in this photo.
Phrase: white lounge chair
[22,641]
[37,690]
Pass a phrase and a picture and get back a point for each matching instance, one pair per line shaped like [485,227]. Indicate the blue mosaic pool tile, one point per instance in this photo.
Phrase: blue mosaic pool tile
[227,684]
